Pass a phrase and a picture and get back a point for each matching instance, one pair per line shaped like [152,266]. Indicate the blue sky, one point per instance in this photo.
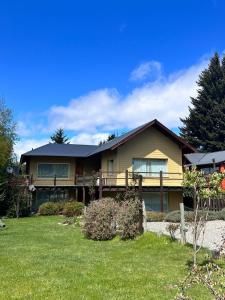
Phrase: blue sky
[95,67]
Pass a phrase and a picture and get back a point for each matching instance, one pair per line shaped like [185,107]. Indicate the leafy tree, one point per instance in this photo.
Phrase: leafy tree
[8,137]
[204,128]
[109,138]
[59,137]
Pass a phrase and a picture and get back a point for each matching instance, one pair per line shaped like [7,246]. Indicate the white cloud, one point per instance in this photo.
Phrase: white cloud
[91,117]
[89,139]
[106,110]
[25,145]
[22,129]
[147,70]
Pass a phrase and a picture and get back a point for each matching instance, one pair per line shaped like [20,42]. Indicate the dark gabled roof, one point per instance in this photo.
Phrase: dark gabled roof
[63,150]
[199,159]
[73,150]
[113,144]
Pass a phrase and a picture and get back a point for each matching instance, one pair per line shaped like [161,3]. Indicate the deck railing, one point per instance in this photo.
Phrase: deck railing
[117,178]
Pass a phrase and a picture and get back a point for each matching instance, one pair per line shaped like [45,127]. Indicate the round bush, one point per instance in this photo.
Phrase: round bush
[50,208]
[99,219]
[129,219]
[73,209]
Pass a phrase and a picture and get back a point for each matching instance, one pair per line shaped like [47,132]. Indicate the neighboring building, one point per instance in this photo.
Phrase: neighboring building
[208,162]
[65,171]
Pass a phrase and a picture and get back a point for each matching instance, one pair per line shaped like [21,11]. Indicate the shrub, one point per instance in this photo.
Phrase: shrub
[174,216]
[99,219]
[153,216]
[128,219]
[73,209]
[50,208]
[172,228]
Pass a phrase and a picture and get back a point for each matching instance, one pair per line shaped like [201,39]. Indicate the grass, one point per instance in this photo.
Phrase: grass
[40,259]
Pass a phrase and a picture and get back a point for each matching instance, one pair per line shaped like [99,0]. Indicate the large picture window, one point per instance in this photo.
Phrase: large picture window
[149,167]
[52,170]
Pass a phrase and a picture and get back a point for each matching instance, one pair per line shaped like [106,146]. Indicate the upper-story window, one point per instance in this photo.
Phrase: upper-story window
[149,167]
[50,170]
[110,167]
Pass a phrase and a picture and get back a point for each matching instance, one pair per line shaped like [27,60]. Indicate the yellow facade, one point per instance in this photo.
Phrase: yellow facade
[150,144]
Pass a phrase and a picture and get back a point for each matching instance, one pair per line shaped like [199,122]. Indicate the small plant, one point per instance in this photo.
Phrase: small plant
[100,219]
[210,276]
[73,209]
[172,228]
[50,208]
[128,219]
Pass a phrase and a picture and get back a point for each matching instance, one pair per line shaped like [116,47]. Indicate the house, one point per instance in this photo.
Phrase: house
[151,153]
[208,162]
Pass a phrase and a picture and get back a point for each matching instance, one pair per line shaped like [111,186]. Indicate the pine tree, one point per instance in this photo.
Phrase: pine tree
[204,128]
[59,137]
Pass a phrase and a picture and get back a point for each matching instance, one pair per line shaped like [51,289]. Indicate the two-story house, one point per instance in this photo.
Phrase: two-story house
[152,153]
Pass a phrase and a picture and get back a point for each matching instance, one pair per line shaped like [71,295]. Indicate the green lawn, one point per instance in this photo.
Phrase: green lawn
[40,259]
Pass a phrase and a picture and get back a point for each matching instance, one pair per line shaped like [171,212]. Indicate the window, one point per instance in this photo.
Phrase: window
[110,167]
[149,167]
[52,170]
[152,201]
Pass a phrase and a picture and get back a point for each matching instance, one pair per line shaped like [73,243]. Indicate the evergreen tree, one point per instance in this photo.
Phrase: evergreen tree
[59,137]
[204,128]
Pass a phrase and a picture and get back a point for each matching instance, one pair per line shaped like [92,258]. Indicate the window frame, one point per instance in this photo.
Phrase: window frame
[151,174]
[49,178]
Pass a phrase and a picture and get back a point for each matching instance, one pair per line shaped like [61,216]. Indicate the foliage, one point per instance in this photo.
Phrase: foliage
[99,219]
[50,208]
[8,137]
[205,126]
[154,216]
[174,216]
[128,219]
[202,189]
[109,138]
[210,276]
[73,208]
[18,196]
[59,137]
[172,228]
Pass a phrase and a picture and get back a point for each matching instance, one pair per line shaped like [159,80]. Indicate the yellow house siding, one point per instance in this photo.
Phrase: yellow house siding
[50,182]
[150,144]
[174,200]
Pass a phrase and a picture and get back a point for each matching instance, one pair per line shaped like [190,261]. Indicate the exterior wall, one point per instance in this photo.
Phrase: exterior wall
[50,182]
[149,144]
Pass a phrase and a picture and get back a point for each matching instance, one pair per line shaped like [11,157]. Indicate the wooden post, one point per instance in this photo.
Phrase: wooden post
[83,194]
[100,184]
[126,179]
[182,224]
[76,194]
[32,179]
[140,186]
[214,165]
[161,191]
[55,180]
